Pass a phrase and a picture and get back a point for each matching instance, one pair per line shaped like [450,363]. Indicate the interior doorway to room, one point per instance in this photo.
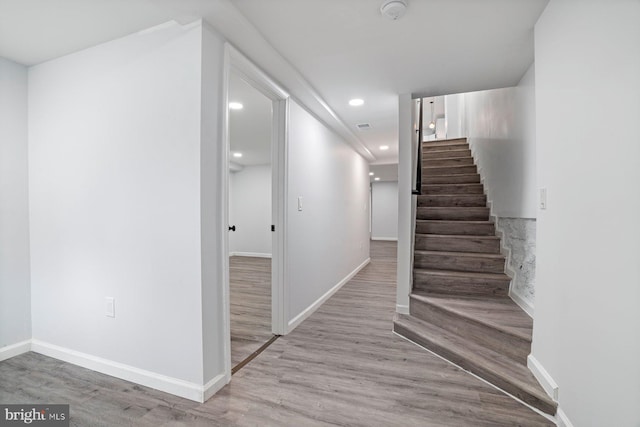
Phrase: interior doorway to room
[250,220]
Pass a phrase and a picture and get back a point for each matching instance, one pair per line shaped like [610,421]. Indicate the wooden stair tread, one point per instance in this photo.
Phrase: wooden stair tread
[499,313]
[500,370]
[454,167]
[464,274]
[458,236]
[440,221]
[461,254]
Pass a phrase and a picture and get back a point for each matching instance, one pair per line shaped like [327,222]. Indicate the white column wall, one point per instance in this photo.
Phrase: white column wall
[15,289]
[587,322]
[114,151]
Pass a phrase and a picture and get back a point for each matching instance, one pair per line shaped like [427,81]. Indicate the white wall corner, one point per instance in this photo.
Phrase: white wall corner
[215,385]
[525,305]
[402,309]
[9,351]
[175,386]
[562,420]
[543,377]
[293,323]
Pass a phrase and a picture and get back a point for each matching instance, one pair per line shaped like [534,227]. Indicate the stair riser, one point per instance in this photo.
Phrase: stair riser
[452,179]
[430,242]
[473,367]
[468,214]
[458,161]
[438,227]
[448,170]
[461,286]
[445,154]
[461,200]
[459,263]
[512,346]
[453,146]
[453,189]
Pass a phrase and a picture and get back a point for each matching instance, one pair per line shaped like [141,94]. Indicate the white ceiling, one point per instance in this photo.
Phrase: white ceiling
[250,127]
[342,48]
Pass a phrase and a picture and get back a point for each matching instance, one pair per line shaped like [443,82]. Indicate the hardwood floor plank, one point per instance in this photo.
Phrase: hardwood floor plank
[250,305]
[341,367]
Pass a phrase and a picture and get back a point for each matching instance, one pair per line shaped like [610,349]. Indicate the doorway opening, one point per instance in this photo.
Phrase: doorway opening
[250,200]
[254,200]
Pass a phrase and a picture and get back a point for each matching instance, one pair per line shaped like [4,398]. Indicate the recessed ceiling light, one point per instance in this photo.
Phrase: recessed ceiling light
[237,155]
[356,102]
[384,147]
[371,174]
[235,106]
[376,178]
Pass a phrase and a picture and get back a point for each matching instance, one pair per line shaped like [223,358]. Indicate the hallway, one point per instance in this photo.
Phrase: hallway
[342,366]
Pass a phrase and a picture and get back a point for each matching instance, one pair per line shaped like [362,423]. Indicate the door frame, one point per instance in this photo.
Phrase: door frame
[235,61]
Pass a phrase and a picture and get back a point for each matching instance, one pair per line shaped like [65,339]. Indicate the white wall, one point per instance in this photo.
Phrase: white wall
[407,145]
[329,238]
[250,211]
[587,322]
[384,210]
[500,126]
[15,293]
[114,151]
[213,170]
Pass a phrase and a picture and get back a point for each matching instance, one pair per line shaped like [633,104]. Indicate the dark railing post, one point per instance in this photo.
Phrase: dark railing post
[418,189]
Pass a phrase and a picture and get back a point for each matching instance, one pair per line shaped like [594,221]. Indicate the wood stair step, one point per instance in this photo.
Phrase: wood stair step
[452,200]
[448,170]
[496,368]
[451,161]
[474,228]
[445,143]
[463,178]
[464,152]
[495,323]
[460,283]
[457,243]
[454,213]
[459,261]
[466,188]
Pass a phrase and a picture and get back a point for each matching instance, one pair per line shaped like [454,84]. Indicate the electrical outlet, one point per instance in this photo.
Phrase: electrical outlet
[110,307]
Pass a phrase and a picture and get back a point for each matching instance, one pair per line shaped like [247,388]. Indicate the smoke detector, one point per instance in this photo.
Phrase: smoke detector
[393,9]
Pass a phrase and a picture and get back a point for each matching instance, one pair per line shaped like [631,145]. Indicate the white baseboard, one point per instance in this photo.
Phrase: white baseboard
[522,303]
[164,383]
[9,351]
[250,254]
[214,386]
[543,377]
[562,419]
[402,309]
[386,239]
[293,323]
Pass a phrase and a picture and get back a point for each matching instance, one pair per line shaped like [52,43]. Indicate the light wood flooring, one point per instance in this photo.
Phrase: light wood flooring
[250,305]
[342,366]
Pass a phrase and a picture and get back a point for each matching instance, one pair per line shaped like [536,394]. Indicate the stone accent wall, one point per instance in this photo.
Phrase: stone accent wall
[519,235]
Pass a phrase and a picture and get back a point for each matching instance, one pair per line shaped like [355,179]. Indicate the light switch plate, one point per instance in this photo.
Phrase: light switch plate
[543,199]
[299,203]
[110,307]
